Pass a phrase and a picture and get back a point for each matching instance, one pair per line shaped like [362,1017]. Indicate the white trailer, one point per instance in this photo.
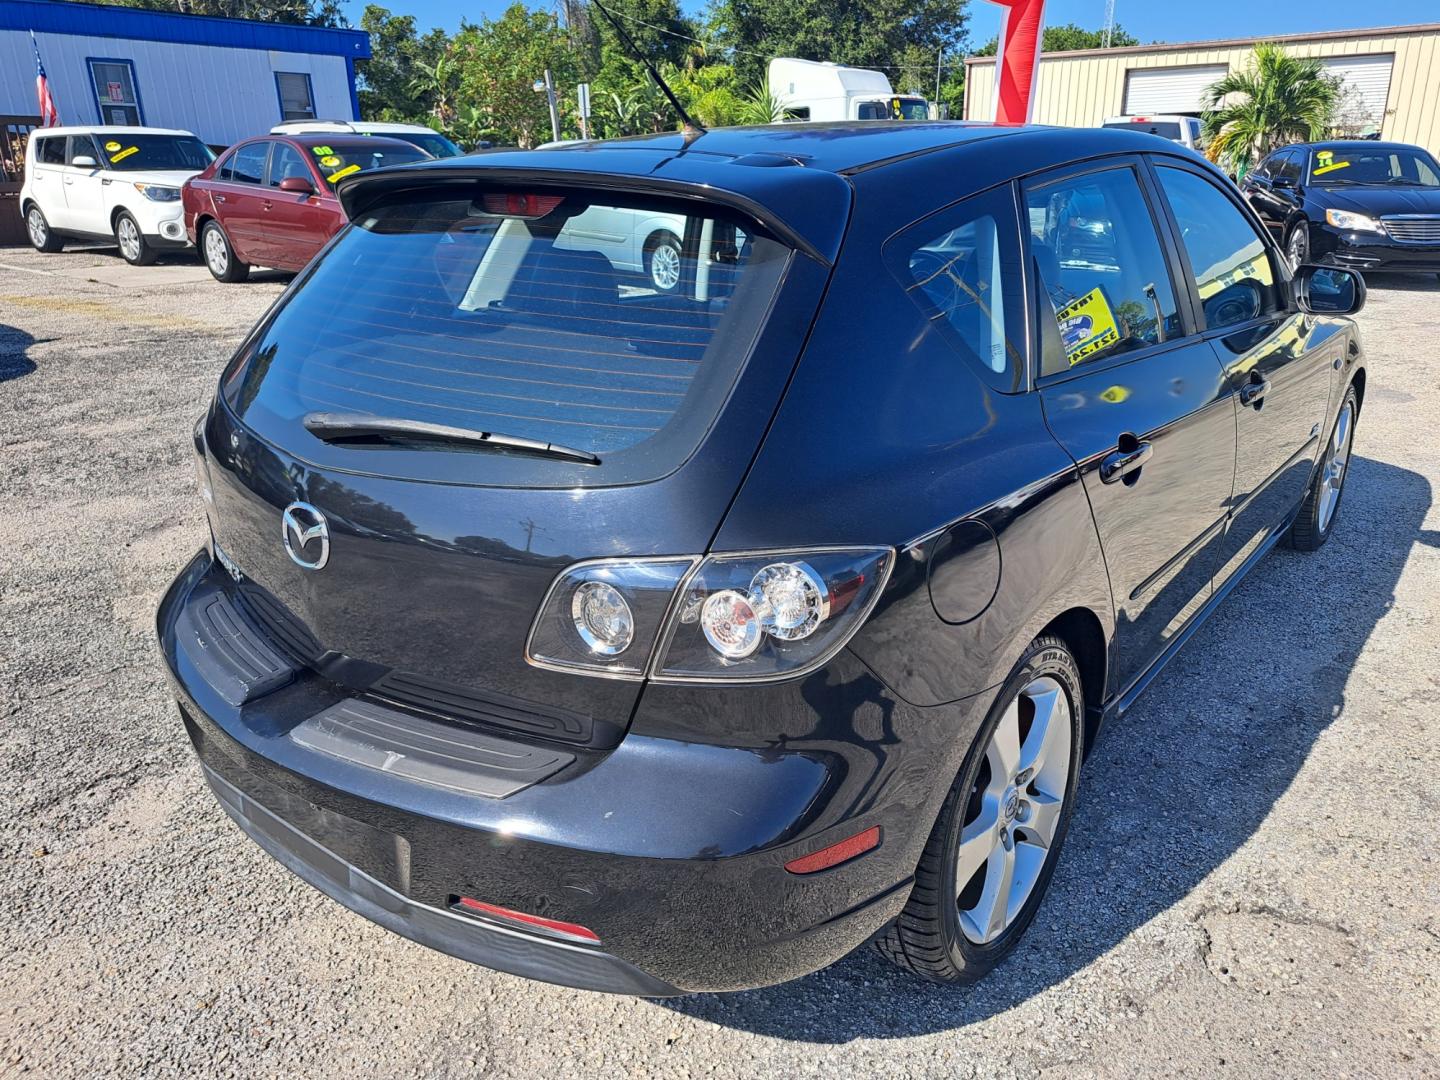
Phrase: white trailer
[814,90]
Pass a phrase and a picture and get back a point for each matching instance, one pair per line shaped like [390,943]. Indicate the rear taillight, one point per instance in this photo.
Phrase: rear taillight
[553,927]
[725,618]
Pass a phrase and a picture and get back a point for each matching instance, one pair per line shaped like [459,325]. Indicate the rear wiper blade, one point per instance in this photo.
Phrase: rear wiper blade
[343,428]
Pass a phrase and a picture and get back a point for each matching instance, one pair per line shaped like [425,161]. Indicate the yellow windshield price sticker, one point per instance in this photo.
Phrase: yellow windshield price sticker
[111,147]
[346,171]
[1087,325]
[123,154]
[1321,170]
[322,151]
[330,161]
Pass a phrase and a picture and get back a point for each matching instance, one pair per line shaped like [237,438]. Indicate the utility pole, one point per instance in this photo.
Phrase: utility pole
[1109,24]
[939,56]
[554,109]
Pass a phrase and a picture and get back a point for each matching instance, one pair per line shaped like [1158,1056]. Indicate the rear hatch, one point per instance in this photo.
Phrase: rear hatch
[477,386]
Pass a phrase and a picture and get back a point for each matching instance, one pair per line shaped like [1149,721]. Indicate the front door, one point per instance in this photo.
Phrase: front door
[1279,364]
[1134,396]
[296,226]
[85,186]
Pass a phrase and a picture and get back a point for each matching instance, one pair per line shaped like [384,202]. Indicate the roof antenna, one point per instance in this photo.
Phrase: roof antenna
[693,129]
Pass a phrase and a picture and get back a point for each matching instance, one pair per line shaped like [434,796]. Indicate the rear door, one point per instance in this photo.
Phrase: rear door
[85,186]
[1134,395]
[296,226]
[1279,364]
[239,193]
[47,178]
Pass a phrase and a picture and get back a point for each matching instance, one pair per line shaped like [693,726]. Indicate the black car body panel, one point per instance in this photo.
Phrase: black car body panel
[662,815]
[1410,213]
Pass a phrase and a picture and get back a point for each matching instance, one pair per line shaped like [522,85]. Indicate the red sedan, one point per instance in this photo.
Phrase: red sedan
[271,202]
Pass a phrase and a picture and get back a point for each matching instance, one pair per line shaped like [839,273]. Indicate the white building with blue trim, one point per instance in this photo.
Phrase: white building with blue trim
[223,79]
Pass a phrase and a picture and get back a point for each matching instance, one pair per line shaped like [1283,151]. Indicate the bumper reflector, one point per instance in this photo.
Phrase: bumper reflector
[836,854]
[570,931]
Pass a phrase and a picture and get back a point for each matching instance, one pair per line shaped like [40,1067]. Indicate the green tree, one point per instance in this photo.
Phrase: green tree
[498,61]
[1068,37]
[303,12]
[1278,99]
[399,56]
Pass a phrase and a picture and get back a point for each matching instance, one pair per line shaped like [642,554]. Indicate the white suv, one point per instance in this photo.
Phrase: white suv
[428,139]
[120,183]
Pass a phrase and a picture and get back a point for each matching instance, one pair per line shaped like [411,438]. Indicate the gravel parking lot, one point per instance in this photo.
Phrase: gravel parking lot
[1251,887]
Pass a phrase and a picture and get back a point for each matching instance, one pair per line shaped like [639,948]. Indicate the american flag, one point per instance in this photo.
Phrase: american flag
[49,114]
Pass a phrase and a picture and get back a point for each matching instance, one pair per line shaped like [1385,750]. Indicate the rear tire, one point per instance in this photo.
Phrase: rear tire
[1321,508]
[219,256]
[134,248]
[1001,827]
[37,228]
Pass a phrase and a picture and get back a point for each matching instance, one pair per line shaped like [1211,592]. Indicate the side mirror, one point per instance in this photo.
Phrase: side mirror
[297,185]
[483,144]
[84,161]
[1328,290]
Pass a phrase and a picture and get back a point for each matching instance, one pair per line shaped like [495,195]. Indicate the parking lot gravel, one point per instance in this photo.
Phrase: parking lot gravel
[1251,886]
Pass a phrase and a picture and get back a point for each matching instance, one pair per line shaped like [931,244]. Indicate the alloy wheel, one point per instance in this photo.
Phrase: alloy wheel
[1299,247]
[1337,460]
[217,256]
[665,266]
[128,236]
[1014,810]
[39,231]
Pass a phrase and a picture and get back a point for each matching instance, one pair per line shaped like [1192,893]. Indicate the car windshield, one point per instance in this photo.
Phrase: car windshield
[1165,129]
[434,144]
[130,152]
[1403,167]
[537,316]
[337,160]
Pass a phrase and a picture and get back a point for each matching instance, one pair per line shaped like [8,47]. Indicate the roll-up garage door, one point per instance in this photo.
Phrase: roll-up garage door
[1366,85]
[1169,90]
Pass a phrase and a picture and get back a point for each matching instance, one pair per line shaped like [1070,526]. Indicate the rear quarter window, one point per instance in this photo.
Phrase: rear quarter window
[457,312]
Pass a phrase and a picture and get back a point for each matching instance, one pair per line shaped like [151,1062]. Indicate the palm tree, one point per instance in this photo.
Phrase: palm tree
[1279,99]
[761,105]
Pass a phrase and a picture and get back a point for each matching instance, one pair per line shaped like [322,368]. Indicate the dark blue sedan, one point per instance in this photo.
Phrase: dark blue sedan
[660,640]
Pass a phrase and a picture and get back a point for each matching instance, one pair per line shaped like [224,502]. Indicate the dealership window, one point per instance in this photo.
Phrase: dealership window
[297,101]
[116,95]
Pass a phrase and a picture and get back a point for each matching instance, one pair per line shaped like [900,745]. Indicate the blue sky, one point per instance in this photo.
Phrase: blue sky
[1146,19]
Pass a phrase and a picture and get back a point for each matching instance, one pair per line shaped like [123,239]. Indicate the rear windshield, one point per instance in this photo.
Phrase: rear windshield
[1166,130]
[607,327]
[136,152]
[433,143]
[337,160]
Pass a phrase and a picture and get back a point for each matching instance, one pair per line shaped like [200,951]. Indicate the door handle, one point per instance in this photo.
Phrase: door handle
[1253,392]
[268,204]
[1126,461]
[219,198]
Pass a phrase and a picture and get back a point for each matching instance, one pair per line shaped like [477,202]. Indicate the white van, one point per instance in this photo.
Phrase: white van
[109,183]
[1179,128]
[428,139]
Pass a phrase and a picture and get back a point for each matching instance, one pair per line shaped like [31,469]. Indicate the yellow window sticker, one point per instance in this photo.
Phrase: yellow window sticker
[1331,167]
[123,154]
[111,146]
[346,171]
[1087,325]
[330,161]
[322,151]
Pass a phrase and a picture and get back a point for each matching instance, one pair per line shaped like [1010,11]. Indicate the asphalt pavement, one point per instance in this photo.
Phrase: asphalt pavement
[1251,886]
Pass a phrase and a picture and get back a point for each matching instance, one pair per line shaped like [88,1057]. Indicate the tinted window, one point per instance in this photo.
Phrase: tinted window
[1286,166]
[339,158]
[873,110]
[449,312]
[247,164]
[1102,266]
[962,267]
[434,144]
[1400,168]
[1165,129]
[50,151]
[134,150]
[1230,262]
[286,163]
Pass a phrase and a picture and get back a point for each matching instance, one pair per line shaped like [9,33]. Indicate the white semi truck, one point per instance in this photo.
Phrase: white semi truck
[812,90]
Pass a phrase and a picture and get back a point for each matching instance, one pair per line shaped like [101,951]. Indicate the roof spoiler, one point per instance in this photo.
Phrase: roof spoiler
[363,190]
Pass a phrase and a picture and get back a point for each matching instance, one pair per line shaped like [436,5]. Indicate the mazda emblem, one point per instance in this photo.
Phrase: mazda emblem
[306,534]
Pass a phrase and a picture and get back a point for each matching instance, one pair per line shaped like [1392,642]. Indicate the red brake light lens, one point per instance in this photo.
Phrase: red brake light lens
[574,931]
[836,854]
[521,204]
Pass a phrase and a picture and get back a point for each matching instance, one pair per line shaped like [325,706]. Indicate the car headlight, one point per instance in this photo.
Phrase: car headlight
[158,192]
[1345,219]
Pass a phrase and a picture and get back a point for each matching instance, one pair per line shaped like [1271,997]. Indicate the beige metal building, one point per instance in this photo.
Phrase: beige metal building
[1391,77]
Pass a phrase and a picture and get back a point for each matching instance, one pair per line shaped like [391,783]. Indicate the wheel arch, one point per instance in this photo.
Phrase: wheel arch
[1357,380]
[1084,635]
[116,211]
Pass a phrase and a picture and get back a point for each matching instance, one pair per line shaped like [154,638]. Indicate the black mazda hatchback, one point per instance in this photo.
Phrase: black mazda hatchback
[660,641]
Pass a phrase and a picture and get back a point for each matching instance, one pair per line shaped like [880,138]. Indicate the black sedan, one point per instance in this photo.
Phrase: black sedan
[1362,204]
[659,641]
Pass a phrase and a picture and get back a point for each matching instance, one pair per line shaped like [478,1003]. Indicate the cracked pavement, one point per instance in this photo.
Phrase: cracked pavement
[1250,887]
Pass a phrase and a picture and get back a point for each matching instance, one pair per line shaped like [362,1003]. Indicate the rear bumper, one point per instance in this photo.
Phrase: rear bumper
[673,853]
